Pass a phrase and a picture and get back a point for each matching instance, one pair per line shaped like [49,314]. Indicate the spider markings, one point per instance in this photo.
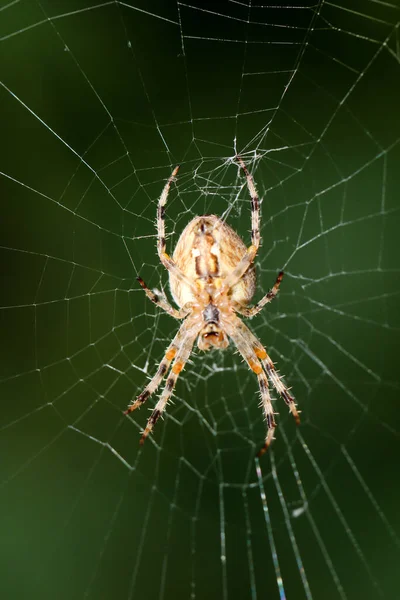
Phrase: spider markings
[212,279]
[211,314]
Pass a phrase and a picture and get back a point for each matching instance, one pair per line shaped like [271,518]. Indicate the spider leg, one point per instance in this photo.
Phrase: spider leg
[280,386]
[163,303]
[161,244]
[255,205]
[163,367]
[165,259]
[251,311]
[251,252]
[247,350]
[276,380]
[181,359]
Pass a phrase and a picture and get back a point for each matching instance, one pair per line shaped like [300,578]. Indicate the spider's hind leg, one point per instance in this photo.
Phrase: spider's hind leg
[161,244]
[165,258]
[255,205]
[237,273]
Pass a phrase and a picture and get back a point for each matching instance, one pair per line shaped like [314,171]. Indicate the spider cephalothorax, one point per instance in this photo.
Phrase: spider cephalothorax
[212,280]
[212,336]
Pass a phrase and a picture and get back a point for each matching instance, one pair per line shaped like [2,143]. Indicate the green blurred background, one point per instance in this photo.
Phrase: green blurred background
[99,103]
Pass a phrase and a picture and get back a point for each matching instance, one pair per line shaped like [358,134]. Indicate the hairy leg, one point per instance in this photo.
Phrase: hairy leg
[163,367]
[165,259]
[251,252]
[181,358]
[247,350]
[276,380]
[251,311]
[163,303]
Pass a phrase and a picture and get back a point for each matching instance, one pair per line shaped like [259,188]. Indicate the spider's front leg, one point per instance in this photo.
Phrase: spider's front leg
[254,353]
[163,367]
[246,349]
[181,359]
[279,385]
[264,357]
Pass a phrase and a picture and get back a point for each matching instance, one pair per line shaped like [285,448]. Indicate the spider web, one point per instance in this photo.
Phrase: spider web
[101,101]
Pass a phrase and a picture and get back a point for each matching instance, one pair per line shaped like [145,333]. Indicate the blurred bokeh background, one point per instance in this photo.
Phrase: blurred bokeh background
[99,102]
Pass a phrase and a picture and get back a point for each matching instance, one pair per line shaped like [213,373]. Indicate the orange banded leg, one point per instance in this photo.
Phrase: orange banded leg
[178,364]
[249,354]
[163,367]
[276,380]
[151,387]
[280,387]
[268,411]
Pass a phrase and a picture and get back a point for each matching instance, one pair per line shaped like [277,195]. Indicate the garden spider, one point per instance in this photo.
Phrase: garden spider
[212,279]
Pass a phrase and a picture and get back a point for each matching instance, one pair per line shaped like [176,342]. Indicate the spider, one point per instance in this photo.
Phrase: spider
[212,279]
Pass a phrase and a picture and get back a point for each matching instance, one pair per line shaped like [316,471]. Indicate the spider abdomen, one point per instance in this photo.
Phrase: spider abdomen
[206,252]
